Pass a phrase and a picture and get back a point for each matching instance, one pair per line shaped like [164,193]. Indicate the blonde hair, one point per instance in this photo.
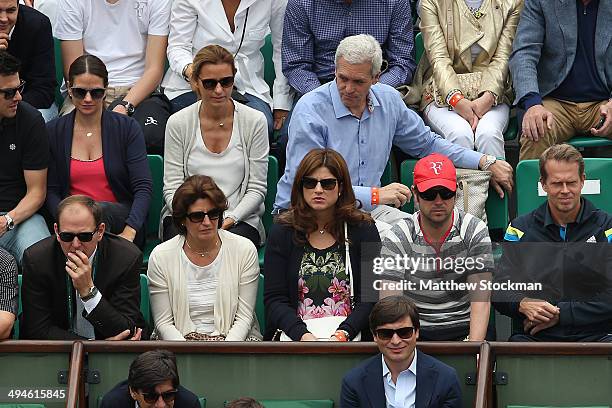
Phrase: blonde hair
[561,152]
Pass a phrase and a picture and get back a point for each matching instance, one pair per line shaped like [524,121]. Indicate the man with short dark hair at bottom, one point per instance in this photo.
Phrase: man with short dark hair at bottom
[24,153]
[82,283]
[401,377]
[153,382]
[580,309]
[9,293]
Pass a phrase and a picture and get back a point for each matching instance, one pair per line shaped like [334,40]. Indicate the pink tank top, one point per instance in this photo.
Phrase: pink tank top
[89,178]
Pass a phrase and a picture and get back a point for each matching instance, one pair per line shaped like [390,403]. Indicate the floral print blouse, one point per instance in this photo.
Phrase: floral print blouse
[323,285]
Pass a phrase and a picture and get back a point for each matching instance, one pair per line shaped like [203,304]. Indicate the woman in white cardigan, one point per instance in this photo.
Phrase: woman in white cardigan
[222,139]
[241,27]
[203,282]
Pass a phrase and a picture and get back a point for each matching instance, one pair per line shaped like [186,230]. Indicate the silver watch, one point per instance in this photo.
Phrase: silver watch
[10,224]
[489,160]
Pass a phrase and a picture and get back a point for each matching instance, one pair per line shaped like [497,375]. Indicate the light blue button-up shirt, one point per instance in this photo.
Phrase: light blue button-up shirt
[402,394]
[321,120]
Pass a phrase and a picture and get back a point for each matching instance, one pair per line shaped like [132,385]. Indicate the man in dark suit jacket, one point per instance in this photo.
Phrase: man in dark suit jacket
[82,283]
[153,381]
[26,34]
[402,377]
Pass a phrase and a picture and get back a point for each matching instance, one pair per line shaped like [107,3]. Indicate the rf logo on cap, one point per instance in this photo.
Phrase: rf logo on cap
[436,167]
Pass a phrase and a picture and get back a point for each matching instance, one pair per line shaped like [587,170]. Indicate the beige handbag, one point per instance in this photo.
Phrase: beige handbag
[472,192]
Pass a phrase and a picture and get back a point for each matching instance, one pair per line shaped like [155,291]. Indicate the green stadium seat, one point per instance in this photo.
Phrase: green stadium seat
[297,403]
[512,130]
[419,47]
[496,208]
[267,51]
[22,405]
[145,303]
[548,406]
[598,185]
[589,141]
[16,325]
[156,165]
[202,402]
[59,72]
[387,176]
[267,218]
[259,305]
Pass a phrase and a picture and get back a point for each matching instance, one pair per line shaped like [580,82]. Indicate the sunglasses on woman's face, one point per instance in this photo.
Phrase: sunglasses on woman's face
[82,236]
[81,93]
[211,84]
[9,93]
[326,184]
[152,397]
[198,216]
[432,193]
[387,334]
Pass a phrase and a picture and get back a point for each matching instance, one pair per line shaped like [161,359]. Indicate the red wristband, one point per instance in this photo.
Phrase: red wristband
[454,100]
[375,195]
[340,335]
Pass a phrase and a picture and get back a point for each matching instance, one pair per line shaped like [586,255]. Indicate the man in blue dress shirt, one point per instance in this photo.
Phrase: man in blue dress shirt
[361,119]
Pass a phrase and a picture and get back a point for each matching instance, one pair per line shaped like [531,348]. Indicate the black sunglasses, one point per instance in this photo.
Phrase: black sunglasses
[152,397]
[9,93]
[82,236]
[81,93]
[198,216]
[326,184]
[432,193]
[387,334]
[211,84]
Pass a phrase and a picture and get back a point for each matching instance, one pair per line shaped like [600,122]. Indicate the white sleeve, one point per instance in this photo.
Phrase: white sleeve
[281,92]
[70,23]
[183,23]
[247,295]
[91,304]
[159,17]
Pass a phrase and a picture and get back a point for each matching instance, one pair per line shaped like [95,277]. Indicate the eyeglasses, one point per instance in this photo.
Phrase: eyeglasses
[82,236]
[152,397]
[81,93]
[198,216]
[387,334]
[211,83]
[432,193]
[326,184]
[9,93]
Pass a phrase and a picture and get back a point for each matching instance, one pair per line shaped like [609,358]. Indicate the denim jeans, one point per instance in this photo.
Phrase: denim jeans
[25,234]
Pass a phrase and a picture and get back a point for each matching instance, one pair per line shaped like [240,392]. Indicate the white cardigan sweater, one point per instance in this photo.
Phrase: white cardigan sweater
[236,291]
[182,131]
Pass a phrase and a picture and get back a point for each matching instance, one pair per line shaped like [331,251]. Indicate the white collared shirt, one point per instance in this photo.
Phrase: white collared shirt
[91,304]
[402,394]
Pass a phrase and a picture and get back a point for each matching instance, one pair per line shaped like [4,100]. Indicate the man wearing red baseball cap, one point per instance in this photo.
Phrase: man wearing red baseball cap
[445,248]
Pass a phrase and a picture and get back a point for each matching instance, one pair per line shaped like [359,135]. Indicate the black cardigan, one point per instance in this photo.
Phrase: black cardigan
[281,265]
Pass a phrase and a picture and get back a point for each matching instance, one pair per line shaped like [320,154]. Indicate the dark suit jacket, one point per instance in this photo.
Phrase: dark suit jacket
[437,385]
[44,299]
[32,43]
[125,163]
[281,265]
[119,397]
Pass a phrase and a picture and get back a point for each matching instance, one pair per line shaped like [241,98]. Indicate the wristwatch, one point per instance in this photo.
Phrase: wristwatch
[128,107]
[489,160]
[10,224]
[93,291]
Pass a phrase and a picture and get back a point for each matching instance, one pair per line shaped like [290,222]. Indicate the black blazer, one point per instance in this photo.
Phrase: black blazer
[281,265]
[119,397]
[437,385]
[125,163]
[32,43]
[44,292]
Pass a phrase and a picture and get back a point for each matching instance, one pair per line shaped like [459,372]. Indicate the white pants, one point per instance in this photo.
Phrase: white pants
[489,135]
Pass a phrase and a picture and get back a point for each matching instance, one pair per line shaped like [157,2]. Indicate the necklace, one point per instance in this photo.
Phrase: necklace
[203,253]
[322,231]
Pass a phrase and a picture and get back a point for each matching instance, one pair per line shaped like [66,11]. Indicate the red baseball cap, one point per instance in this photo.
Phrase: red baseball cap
[435,170]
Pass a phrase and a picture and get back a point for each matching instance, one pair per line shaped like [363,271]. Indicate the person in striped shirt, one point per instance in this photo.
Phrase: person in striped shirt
[442,257]
[9,292]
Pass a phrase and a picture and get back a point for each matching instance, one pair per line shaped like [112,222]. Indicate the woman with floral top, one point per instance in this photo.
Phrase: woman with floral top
[306,271]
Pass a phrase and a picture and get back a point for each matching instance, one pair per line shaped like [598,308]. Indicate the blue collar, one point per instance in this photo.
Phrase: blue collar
[340,108]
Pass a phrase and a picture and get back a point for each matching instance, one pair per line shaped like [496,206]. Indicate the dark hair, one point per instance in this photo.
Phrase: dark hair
[83,200]
[192,189]
[9,65]
[244,402]
[391,309]
[302,218]
[87,64]
[152,368]
[561,152]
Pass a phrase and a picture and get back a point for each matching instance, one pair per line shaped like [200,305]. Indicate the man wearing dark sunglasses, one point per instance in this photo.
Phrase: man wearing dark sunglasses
[24,153]
[401,376]
[153,382]
[447,246]
[82,283]
[26,34]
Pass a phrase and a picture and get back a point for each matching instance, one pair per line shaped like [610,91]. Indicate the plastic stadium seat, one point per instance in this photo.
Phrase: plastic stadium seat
[419,47]
[267,218]
[512,130]
[156,165]
[297,403]
[16,324]
[2,405]
[59,72]
[202,402]
[589,141]
[145,302]
[259,305]
[573,406]
[598,185]
[496,208]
